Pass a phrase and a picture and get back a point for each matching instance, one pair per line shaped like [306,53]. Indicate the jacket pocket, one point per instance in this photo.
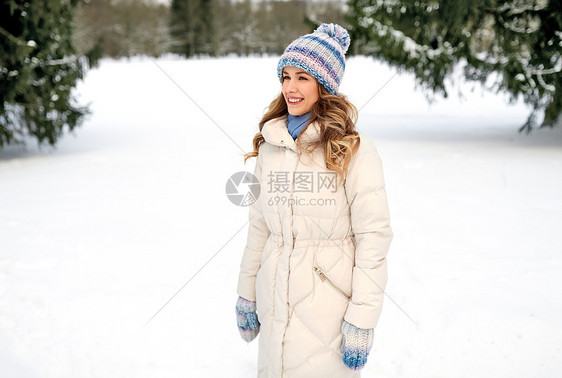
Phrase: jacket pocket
[325,278]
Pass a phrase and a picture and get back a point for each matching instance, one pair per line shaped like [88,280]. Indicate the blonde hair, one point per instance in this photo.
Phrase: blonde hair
[336,117]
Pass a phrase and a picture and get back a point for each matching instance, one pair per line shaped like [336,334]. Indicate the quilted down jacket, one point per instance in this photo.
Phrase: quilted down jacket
[315,255]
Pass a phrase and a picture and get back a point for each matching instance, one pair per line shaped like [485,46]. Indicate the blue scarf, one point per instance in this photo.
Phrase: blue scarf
[295,124]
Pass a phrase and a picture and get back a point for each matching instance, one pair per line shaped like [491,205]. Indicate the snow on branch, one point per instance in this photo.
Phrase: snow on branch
[59,62]
[548,87]
[521,6]
[411,47]
[531,24]
[557,68]
[528,70]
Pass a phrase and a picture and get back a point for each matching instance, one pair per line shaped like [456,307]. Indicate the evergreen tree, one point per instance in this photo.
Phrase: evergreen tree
[38,70]
[96,28]
[192,27]
[123,27]
[206,28]
[225,18]
[325,11]
[519,39]
[284,22]
[246,38]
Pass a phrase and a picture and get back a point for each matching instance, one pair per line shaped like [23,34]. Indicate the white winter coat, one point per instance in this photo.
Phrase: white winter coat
[314,255]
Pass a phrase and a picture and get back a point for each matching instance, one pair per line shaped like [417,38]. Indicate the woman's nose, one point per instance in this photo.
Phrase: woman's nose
[290,86]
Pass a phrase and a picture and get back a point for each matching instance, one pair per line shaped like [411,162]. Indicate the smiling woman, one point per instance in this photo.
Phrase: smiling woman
[300,90]
[314,268]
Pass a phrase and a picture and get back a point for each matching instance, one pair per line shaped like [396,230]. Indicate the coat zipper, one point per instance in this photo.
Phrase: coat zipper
[324,277]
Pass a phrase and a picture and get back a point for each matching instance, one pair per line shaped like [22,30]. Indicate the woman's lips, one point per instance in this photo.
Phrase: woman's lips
[294,100]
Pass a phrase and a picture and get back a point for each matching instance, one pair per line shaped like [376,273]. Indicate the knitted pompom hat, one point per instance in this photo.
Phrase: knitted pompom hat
[321,53]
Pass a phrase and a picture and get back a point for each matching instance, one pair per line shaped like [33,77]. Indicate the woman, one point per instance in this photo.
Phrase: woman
[314,269]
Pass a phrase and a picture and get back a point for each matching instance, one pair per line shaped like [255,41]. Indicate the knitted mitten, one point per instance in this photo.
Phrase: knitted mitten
[355,346]
[248,323]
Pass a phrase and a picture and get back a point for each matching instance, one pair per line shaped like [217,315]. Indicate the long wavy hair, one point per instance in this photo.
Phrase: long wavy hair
[336,117]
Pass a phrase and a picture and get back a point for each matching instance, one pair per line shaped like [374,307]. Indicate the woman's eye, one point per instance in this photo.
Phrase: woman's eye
[303,78]
[285,77]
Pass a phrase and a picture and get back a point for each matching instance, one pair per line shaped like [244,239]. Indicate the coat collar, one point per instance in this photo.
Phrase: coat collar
[276,133]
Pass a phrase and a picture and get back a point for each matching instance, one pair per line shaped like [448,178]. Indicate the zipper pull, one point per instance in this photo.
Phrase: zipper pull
[320,273]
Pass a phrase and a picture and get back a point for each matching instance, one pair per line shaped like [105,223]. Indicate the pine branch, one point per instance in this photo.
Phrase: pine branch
[511,25]
[512,8]
[522,6]
[413,48]
[12,38]
[529,72]
[548,87]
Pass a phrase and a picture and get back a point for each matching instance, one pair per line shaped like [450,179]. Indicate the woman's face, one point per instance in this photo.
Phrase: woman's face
[300,90]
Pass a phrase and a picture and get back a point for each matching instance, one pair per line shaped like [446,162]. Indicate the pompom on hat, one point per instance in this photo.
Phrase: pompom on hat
[322,54]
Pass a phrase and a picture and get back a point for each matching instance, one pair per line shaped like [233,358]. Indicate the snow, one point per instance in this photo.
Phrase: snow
[410,46]
[98,234]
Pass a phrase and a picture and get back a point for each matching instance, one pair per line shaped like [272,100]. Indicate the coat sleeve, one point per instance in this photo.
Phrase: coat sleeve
[370,222]
[258,233]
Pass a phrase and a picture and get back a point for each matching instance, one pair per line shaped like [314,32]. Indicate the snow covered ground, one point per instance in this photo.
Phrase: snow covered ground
[96,235]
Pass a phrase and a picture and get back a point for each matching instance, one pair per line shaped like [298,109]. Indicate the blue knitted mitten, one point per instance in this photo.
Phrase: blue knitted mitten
[355,345]
[248,323]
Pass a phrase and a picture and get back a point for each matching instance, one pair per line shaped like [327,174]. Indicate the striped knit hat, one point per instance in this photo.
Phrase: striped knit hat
[321,53]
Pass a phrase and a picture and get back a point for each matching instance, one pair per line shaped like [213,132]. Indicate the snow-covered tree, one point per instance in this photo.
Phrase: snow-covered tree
[38,70]
[516,44]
